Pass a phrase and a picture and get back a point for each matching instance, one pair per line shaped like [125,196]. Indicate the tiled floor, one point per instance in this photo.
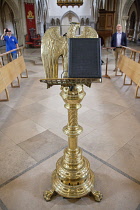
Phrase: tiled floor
[31,141]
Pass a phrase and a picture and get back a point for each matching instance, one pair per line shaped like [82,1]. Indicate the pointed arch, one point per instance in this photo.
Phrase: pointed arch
[70,12]
[13,7]
[66,19]
[127,6]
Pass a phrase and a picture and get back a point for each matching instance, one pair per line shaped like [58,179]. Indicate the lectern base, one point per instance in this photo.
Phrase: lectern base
[73,191]
[73,183]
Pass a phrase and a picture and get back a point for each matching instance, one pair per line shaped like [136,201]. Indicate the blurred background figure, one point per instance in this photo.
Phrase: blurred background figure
[11,42]
[118,39]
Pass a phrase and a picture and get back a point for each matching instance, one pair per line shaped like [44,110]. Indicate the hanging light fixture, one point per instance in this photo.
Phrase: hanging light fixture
[67,3]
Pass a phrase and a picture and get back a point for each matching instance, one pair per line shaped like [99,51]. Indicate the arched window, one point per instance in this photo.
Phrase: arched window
[57,22]
[87,21]
[82,21]
[52,21]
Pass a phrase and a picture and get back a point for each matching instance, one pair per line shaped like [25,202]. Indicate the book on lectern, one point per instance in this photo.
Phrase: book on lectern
[84,58]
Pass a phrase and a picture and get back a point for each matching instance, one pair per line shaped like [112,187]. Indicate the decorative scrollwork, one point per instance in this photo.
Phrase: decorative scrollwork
[48,194]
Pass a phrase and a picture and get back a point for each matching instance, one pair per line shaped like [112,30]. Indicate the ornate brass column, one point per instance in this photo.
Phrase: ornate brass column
[72,177]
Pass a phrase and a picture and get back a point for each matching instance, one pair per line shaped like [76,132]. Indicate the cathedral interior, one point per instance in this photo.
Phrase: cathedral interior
[31,121]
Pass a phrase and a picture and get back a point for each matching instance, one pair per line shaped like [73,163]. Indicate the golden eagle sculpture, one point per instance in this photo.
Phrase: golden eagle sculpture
[54,45]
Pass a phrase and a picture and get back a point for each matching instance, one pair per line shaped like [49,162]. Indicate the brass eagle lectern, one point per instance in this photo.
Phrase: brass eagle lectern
[72,177]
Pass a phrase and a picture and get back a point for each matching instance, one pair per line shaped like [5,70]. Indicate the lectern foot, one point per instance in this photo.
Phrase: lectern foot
[48,194]
[97,195]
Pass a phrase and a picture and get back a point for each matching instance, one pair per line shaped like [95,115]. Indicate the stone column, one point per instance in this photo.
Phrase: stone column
[136,30]
[124,19]
[19,30]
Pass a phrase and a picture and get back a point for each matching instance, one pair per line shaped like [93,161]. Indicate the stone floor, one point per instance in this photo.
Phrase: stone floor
[31,141]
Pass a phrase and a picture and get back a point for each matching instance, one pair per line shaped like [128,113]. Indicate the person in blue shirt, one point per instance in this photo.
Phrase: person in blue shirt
[118,39]
[11,42]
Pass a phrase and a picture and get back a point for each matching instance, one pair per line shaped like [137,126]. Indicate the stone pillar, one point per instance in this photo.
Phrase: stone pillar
[92,24]
[19,30]
[124,19]
[38,25]
[128,26]
[135,31]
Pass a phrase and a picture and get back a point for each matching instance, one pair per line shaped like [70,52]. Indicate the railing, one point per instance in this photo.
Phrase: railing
[7,56]
[134,54]
[107,49]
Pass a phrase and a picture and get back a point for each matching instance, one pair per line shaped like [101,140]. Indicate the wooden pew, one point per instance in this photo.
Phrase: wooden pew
[131,69]
[11,71]
[134,55]
[3,87]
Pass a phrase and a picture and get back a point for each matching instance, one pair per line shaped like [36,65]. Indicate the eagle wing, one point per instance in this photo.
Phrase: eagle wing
[88,32]
[48,45]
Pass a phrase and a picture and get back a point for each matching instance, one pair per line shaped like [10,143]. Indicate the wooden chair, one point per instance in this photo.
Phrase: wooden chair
[28,42]
[37,40]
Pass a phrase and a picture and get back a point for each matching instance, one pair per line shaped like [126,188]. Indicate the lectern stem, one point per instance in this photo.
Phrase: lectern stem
[73,177]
